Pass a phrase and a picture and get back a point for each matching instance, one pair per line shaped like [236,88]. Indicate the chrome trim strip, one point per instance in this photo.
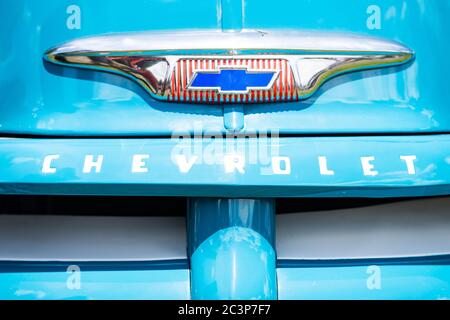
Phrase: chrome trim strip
[217,71]
[150,58]
[230,42]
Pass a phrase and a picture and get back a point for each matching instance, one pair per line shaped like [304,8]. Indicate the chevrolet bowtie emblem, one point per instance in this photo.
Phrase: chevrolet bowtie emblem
[232,80]
[218,67]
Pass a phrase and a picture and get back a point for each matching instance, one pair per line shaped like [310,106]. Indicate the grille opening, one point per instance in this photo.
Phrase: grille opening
[290,205]
[157,206]
[93,205]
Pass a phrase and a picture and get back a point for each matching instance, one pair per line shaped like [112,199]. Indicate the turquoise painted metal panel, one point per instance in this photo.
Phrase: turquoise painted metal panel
[97,285]
[250,168]
[384,282]
[206,216]
[231,245]
[232,15]
[234,263]
[39,98]
[81,281]
[414,98]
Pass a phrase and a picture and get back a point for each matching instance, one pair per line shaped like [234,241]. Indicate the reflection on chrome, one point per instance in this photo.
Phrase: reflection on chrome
[165,63]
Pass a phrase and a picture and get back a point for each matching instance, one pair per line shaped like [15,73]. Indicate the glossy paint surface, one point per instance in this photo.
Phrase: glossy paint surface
[231,243]
[208,215]
[203,171]
[369,281]
[81,282]
[413,98]
[39,98]
[404,282]
[234,263]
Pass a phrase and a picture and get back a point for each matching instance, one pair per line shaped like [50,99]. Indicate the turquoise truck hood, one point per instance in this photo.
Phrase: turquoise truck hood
[39,98]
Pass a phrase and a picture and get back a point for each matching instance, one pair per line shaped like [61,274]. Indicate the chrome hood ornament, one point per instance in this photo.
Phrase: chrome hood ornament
[217,67]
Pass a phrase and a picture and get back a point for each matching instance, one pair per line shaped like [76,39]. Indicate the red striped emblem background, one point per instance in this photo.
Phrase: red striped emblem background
[282,90]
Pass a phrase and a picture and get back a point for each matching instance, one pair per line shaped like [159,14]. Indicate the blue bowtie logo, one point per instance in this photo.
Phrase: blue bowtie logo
[232,80]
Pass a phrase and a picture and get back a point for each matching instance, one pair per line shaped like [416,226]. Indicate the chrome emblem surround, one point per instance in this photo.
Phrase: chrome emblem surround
[166,64]
[281,86]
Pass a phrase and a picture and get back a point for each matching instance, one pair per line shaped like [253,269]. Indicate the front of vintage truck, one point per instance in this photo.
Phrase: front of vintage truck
[228,149]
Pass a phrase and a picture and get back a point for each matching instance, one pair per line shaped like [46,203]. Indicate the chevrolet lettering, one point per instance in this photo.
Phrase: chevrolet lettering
[225,150]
